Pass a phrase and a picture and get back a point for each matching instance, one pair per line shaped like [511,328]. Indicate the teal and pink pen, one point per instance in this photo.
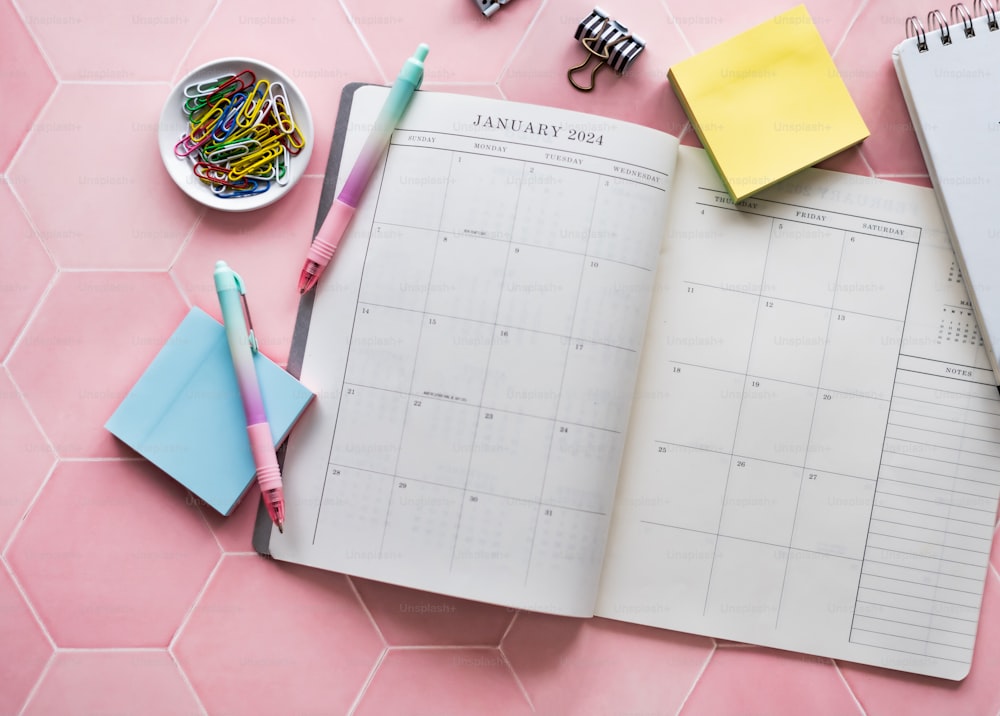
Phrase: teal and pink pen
[242,346]
[335,224]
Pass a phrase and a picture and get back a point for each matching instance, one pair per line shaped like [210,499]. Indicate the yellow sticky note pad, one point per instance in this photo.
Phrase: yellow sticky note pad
[768,103]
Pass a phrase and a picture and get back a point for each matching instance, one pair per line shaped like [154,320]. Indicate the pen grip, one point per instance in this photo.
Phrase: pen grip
[330,233]
[262,447]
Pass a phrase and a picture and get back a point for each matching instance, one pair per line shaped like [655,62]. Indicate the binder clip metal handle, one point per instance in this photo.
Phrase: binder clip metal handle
[608,42]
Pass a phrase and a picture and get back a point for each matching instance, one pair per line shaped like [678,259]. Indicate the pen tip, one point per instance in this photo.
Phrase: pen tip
[307,278]
[281,527]
[422,50]
[307,281]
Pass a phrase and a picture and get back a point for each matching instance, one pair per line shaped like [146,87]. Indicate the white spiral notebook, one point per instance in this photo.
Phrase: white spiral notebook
[949,74]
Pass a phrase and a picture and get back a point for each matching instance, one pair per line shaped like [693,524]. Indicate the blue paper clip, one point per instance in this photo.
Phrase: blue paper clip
[256,187]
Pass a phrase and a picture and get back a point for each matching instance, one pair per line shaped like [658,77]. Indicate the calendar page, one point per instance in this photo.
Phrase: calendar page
[813,460]
[473,349]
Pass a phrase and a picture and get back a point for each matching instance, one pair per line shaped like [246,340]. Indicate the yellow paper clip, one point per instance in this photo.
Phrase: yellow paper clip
[607,41]
[255,106]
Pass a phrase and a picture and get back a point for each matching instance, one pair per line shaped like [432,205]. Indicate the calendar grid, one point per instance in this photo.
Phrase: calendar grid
[770,462]
[484,493]
[482,387]
[767,296]
[777,545]
[402,428]
[562,380]
[343,376]
[795,383]
[814,459]
[495,324]
[512,242]
[809,435]
[732,446]
[484,406]
[433,311]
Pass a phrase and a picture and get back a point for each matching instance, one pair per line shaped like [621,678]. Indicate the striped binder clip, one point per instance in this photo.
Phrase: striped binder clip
[607,41]
[488,7]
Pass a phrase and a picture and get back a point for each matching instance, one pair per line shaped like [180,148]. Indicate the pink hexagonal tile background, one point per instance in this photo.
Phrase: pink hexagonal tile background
[591,667]
[117,40]
[29,457]
[123,681]
[451,680]
[85,347]
[407,617]
[311,636]
[116,208]
[127,563]
[25,75]
[24,650]
[119,591]
[751,680]
[21,290]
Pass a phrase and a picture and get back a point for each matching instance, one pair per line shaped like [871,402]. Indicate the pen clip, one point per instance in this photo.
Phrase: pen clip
[251,336]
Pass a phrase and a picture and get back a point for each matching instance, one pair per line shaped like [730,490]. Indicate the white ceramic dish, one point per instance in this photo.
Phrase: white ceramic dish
[174,125]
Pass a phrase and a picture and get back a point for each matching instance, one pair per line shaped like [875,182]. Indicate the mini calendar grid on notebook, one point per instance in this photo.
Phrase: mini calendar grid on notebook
[558,369]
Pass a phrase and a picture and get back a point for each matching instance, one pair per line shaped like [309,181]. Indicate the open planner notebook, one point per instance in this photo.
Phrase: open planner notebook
[558,369]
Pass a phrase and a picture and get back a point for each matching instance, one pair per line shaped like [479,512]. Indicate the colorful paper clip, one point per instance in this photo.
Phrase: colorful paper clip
[608,42]
[241,134]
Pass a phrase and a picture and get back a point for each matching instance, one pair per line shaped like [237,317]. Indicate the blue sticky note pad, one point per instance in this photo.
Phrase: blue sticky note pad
[185,414]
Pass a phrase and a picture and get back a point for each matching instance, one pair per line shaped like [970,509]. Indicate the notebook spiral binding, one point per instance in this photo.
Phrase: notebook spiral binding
[959,14]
